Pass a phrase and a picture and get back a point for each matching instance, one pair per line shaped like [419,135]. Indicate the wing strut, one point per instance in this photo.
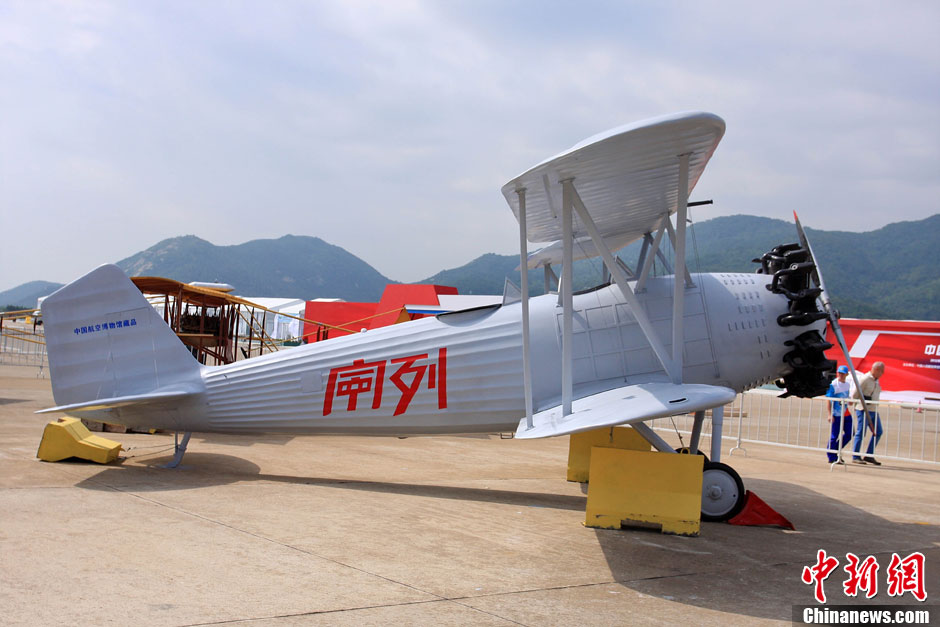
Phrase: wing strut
[641,260]
[679,272]
[651,255]
[549,277]
[620,278]
[651,250]
[672,238]
[567,301]
[524,274]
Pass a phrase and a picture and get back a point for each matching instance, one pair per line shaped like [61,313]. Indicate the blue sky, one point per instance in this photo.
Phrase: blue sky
[387,128]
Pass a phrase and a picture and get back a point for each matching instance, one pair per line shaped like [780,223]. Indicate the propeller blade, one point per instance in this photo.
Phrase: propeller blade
[817,273]
[832,313]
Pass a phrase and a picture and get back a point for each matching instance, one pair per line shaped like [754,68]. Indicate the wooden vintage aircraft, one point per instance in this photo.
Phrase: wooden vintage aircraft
[635,348]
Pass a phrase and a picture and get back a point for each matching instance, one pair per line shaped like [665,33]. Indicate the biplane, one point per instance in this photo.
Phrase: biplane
[634,348]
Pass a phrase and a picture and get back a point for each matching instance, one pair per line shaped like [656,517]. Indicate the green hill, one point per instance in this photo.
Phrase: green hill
[294,266]
[26,295]
[890,272]
[887,273]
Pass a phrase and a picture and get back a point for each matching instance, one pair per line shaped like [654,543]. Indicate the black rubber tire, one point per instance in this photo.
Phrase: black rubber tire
[684,450]
[723,492]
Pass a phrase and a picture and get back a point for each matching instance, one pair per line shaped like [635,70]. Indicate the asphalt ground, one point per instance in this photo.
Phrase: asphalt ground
[446,531]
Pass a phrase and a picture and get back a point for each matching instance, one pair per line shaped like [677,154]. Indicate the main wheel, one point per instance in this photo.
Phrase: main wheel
[722,492]
[685,451]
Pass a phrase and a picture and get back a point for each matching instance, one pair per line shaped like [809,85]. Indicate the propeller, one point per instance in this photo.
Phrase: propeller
[831,313]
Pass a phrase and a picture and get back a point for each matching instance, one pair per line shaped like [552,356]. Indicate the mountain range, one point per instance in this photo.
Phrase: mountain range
[890,272]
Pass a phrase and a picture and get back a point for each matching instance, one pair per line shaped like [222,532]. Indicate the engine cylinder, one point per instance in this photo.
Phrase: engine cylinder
[793,270]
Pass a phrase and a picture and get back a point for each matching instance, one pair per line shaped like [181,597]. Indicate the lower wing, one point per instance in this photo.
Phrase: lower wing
[626,404]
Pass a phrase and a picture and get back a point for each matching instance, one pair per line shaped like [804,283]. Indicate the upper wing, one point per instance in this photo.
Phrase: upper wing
[627,177]
[623,405]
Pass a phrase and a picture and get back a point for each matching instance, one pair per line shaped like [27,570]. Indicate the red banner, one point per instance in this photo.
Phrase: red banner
[910,350]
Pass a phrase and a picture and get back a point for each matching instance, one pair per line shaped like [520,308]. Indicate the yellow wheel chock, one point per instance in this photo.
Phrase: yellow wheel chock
[68,437]
[641,487]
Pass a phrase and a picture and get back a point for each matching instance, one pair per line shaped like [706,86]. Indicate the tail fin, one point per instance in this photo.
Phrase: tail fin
[105,342]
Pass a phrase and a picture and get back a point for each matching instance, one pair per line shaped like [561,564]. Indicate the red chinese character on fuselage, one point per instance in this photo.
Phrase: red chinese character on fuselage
[363,377]
[351,381]
[437,377]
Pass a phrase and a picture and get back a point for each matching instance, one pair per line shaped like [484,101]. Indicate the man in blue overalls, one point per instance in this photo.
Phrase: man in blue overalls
[840,417]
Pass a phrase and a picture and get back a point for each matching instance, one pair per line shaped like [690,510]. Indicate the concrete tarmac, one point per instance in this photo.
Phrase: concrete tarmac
[447,531]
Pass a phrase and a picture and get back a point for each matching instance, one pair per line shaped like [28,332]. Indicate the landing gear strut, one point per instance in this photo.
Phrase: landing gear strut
[723,493]
[684,450]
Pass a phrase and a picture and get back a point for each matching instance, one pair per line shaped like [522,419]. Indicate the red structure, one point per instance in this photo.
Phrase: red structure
[910,350]
[333,319]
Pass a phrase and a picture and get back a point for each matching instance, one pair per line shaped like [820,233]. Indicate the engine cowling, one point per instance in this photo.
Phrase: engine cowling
[792,268]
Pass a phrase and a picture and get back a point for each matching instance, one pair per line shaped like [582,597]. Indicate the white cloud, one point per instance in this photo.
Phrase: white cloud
[388,127]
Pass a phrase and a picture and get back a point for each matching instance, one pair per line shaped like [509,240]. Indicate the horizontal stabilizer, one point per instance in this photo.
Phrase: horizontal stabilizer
[623,405]
[156,396]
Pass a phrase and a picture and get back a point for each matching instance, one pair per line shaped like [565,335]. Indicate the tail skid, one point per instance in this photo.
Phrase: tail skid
[108,348]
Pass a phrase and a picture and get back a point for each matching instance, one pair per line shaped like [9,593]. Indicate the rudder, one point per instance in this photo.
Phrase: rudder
[105,340]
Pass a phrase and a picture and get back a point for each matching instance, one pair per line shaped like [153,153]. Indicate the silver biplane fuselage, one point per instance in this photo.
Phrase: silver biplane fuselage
[462,372]
[458,372]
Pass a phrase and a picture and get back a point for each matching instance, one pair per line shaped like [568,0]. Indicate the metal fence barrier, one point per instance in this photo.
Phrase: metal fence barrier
[911,432]
[21,346]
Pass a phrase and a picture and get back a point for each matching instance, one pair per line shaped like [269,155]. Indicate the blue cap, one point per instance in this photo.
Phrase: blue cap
[844,369]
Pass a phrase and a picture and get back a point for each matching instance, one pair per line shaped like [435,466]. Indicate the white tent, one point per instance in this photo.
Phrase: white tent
[276,326]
